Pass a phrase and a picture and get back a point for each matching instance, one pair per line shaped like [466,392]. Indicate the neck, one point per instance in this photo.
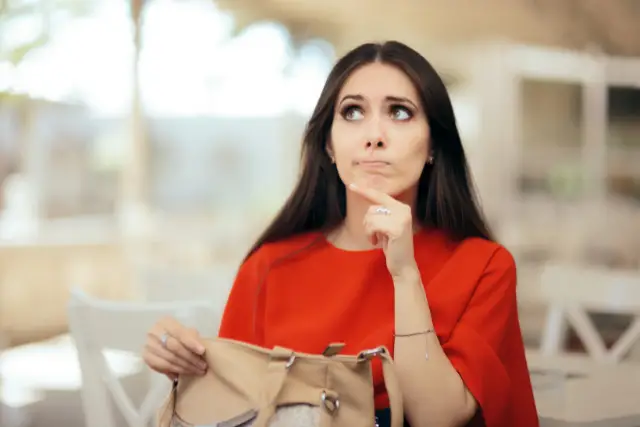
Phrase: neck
[351,235]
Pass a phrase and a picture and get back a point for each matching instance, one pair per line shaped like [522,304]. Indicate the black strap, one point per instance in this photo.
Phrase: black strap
[383,418]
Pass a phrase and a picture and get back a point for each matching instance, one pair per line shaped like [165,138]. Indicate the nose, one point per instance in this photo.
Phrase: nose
[376,138]
[377,144]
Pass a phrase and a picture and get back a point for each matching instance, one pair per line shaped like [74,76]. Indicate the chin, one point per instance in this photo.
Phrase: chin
[399,194]
[383,186]
[404,192]
[395,191]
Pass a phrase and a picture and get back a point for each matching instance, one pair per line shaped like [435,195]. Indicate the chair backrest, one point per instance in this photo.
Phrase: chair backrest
[97,326]
[572,291]
[593,288]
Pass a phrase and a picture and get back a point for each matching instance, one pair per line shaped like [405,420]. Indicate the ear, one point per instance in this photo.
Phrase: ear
[329,151]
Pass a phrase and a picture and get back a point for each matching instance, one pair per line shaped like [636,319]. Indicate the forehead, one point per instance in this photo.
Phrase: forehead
[377,80]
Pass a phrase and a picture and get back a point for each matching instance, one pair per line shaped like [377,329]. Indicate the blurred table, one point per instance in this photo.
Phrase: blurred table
[608,398]
[54,365]
[38,379]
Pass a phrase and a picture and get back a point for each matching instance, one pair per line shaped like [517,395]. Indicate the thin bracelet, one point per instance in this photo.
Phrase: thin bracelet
[413,334]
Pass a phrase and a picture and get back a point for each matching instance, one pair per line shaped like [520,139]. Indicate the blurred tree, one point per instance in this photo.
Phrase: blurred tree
[12,11]
[44,20]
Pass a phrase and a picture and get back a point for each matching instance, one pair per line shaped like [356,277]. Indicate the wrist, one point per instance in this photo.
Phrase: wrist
[407,276]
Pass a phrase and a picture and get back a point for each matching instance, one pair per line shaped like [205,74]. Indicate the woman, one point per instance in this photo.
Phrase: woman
[381,243]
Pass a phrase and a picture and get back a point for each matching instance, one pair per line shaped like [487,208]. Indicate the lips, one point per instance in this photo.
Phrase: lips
[373,163]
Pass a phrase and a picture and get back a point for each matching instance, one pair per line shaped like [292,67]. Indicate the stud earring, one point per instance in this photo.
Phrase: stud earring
[430,160]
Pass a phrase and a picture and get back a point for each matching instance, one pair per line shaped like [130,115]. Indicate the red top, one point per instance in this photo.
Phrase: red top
[313,294]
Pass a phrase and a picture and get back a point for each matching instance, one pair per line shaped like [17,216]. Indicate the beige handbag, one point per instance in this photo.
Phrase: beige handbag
[246,385]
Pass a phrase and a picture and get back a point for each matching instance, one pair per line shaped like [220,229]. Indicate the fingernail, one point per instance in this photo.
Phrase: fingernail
[202,365]
[200,349]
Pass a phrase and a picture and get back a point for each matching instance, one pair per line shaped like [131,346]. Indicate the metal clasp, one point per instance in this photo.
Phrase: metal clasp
[331,403]
[290,361]
[370,354]
[282,354]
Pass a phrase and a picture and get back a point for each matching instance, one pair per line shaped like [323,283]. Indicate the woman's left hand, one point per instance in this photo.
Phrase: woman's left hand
[389,225]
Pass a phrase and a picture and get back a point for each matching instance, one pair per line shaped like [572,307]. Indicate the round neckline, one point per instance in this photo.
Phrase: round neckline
[333,247]
[362,252]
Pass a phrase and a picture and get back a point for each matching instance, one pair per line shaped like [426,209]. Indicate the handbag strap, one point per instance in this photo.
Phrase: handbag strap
[282,359]
[390,382]
[393,389]
[277,369]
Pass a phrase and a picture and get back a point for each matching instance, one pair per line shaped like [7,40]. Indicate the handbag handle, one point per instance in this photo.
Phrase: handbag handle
[282,359]
[390,381]
[277,370]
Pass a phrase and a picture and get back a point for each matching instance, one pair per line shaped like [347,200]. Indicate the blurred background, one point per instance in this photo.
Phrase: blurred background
[145,143]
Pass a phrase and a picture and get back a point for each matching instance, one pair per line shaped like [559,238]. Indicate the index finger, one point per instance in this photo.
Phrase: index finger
[191,339]
[374,196]
[187,337]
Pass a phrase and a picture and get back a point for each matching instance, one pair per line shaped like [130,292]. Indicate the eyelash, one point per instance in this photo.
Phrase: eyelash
[392,108]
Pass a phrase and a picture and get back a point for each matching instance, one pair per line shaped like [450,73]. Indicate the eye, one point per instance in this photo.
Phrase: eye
[352,113]
[400,112]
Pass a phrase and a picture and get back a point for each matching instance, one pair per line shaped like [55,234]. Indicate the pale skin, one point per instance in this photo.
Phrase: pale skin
[380,144]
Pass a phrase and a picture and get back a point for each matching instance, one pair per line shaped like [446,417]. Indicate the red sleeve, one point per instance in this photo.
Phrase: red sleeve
[243,317]
[487,350]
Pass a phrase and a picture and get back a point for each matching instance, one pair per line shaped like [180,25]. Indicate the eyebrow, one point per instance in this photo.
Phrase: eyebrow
[387,98]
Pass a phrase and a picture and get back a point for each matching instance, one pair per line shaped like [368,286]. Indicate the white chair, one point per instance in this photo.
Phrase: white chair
[100,325]
[571,292]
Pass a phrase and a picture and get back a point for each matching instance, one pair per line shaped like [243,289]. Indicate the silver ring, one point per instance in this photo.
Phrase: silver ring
[382,210]
[163,340]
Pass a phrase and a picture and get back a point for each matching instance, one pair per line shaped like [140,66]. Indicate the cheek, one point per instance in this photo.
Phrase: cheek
[344,139]
[342,146]
[414,143]
[412,167]
[414,156]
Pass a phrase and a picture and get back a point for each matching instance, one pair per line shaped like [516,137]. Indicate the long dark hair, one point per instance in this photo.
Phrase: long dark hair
[445,200]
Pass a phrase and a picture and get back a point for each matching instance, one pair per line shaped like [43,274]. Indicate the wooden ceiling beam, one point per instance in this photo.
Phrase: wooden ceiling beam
[573,24]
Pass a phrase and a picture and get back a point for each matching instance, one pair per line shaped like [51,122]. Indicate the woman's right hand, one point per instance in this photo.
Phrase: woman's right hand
[172,349]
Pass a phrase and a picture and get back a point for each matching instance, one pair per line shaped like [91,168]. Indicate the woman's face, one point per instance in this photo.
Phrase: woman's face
[380,134]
